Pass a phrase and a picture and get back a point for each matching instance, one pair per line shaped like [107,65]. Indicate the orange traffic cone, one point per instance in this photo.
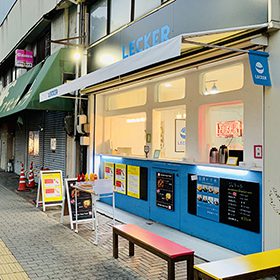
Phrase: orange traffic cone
[22,183]
[31,182]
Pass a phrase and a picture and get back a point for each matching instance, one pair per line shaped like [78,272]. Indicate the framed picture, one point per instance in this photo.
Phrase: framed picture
[180,135]
[156,154]
[232,160]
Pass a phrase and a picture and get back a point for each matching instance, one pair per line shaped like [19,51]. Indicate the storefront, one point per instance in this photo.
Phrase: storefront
[33,126]
[156,117]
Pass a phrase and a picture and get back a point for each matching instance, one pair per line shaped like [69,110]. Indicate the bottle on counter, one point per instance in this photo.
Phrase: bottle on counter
[223,154]
[213,155]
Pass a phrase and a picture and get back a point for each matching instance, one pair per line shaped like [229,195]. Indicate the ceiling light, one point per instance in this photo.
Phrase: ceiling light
[214,89]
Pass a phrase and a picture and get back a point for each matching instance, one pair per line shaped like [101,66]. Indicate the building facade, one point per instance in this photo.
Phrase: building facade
[175,119]
[32,127]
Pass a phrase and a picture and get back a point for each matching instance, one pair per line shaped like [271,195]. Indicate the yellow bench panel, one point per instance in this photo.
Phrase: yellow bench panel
[240,265]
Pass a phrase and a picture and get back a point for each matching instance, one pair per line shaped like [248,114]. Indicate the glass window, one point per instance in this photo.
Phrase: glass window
[120,13]
[220,124]
[126,134]
[222,80]
[127,99]
[143,7]
[169,131]
[171,90]
[98,20]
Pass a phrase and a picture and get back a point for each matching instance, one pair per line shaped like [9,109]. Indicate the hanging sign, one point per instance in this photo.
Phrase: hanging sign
[259,67]
[24,58]
[228,129]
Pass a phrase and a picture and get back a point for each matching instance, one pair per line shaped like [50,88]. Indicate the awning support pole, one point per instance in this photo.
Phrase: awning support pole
[213,46]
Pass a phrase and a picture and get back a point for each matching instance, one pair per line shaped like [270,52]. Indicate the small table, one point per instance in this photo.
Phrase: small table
[101,188]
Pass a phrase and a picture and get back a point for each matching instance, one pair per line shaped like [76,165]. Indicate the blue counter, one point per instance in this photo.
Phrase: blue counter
[219,204]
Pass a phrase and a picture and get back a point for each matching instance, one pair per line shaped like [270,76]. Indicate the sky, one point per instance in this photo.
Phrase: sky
[5,6]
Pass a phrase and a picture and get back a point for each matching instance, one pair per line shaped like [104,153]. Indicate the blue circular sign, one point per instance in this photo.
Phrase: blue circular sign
[183,133]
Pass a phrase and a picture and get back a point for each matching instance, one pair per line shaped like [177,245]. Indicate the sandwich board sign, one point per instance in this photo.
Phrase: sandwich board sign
[50,188]
[84,204]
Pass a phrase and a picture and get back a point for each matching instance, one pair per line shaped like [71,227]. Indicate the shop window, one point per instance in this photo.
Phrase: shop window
[223,80]
[222,125]
[169,132]
[143,7]
[126,134]
[120,13]
[98,20]
[33,143]
[128,99]
[171,90]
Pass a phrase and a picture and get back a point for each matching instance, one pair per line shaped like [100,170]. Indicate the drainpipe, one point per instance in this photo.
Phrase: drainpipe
[77,74]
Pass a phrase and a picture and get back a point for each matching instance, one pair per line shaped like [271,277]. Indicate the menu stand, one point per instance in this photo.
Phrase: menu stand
[101,188]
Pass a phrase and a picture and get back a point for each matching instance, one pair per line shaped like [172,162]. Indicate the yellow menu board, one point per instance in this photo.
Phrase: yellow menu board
[133,181]
[52,186]
[120,178]
[109,170]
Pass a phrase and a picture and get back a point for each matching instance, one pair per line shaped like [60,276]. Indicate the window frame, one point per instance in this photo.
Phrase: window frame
[109,13]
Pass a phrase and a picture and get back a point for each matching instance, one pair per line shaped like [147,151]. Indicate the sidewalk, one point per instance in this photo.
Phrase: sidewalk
[45,249]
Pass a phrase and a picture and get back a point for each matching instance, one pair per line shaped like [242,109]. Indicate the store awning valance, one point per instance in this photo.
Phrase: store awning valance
[152,56]
[15,91]
[24,92]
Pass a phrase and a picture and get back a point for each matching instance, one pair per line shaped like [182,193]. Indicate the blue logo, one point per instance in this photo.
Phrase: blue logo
[183,133]
[146,41]
[52,93]
[259,67]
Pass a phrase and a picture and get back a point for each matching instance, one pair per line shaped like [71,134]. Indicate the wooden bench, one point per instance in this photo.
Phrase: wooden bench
[160,246]
[253,266]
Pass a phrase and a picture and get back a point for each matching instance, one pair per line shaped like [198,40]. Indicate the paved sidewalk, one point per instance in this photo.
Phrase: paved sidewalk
[48,250]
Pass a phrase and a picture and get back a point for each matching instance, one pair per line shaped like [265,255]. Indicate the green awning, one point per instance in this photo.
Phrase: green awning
[24,92]
[11,95]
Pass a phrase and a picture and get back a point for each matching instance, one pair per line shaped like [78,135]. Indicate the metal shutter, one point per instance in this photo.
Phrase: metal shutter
[54,128]
[20,147]
[35,122]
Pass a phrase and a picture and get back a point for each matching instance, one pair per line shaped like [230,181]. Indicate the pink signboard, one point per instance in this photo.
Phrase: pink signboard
[24,58]
[229,129]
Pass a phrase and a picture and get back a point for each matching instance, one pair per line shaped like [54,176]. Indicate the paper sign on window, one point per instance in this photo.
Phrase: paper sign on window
[229,129]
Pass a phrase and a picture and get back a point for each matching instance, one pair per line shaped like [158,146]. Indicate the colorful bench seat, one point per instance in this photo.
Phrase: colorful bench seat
[253,266]
[160,246]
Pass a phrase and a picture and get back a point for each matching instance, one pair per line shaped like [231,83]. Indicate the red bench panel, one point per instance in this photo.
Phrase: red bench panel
[162,244]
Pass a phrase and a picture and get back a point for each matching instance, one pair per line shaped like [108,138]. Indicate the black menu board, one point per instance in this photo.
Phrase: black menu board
[240,204]
[165,190]
[84,203]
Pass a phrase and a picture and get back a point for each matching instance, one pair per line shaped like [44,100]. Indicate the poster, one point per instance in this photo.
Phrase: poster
[165,190]
[33,143]
[180,135]
[84,202]
[52,186]
[120,178]
[208,197]
[109,170]
[133,181]
[240,204]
